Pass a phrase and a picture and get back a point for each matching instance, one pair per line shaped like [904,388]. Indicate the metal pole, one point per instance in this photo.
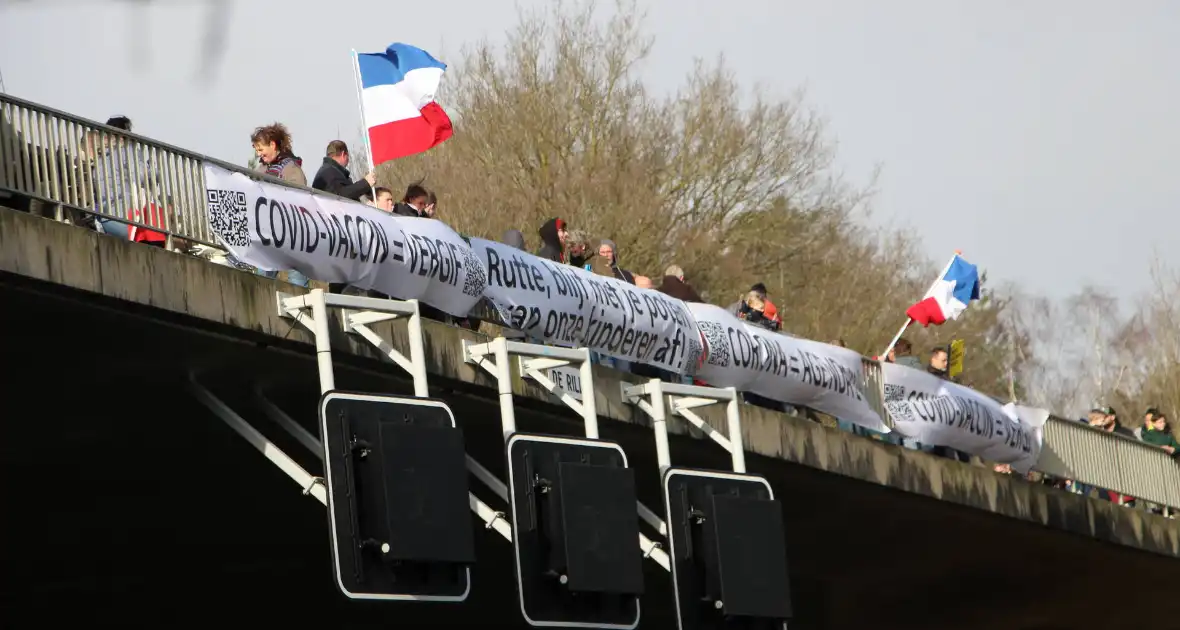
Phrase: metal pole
[733,417]
[310,484]
[504,386]
[589,411]
[280,417]
[417,352]
[323,341]
[885,355]
[360,102]
[659,423]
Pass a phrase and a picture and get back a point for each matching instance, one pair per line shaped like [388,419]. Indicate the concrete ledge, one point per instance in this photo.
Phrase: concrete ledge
[63,255]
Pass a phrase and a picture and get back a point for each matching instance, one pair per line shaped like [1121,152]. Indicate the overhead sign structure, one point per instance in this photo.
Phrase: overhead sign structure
[727,544]
[398,511]
[728,550]
[574,531]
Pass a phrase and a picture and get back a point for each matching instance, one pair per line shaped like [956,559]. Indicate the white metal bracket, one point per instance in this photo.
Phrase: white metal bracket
[312,485]
[656,398]
[494,358]
[360,313]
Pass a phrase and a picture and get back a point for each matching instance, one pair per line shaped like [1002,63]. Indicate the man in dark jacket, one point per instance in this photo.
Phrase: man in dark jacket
[553,233]
[939,362]
[333,175]
[674,285]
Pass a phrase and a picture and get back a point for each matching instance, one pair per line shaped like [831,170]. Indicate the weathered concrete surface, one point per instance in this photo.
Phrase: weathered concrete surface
[234,302]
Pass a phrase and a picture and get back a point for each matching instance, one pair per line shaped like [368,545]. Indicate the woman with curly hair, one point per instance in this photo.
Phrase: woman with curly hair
[272,145]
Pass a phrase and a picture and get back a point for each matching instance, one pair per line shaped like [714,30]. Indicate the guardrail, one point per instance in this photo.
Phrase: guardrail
[1077,451]
[77,165]
[84,168]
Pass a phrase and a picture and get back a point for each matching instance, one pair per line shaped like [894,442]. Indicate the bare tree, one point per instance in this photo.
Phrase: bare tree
[735,185]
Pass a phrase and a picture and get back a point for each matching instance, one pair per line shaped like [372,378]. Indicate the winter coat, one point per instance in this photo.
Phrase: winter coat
[286,167]
[679,289]
[551,248]
[334,178]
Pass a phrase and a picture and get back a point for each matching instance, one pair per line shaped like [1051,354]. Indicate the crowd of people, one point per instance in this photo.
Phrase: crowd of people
[124,176]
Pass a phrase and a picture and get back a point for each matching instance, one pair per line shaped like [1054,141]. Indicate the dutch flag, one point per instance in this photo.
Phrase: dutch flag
[397,101]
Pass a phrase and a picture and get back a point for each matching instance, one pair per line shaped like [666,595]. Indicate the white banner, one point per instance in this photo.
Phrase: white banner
[935,411]
[333,240]
[565,305]
[823,377]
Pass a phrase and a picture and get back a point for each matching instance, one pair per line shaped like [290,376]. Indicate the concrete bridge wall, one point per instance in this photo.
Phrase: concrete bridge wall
[143,504]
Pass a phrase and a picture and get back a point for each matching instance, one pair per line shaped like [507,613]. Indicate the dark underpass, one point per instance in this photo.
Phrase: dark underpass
[127,502]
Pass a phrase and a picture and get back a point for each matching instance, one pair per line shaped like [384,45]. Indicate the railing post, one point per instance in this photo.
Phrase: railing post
[417,352]
[733,417]
[659,423]
[589,411]
[504,386]
[323,343]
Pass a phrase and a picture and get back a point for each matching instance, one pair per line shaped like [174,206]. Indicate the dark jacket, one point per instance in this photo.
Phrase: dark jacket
[679,289]
[551,248]
[403,209]
[757,317]
[617,271]
[334,178]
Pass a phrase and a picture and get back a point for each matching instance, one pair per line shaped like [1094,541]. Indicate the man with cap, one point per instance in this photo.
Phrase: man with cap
[1107,419]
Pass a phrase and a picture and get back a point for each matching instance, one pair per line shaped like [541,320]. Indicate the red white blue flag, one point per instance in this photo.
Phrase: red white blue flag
[397,101]
[949,296]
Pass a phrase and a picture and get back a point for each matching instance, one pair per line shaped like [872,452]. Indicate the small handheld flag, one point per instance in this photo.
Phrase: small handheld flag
[949,295]
[397,89]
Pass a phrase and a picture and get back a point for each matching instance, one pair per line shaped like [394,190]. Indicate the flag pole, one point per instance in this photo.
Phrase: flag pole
[908,320]
[360,102]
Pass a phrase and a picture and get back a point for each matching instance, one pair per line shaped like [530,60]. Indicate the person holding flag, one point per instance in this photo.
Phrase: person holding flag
[956,287]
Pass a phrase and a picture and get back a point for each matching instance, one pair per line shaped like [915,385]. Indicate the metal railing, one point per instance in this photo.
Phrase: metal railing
[84,168]
[122,179]
[1075,450]
[874,386]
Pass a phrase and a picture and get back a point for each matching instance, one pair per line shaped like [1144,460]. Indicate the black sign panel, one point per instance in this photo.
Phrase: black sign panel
[728,551]
[399,517]
[575,532]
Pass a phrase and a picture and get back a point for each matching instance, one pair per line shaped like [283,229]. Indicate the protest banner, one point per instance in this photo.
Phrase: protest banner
[564,305]
[274,227]
[797,371]
[935,411]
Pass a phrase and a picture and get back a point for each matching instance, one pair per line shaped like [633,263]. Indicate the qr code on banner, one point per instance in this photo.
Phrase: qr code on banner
[900,411]
[228,216]
[894,393]
[476,280]
[716,343]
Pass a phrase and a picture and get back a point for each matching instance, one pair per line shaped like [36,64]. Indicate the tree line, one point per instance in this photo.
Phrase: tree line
[736,186]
